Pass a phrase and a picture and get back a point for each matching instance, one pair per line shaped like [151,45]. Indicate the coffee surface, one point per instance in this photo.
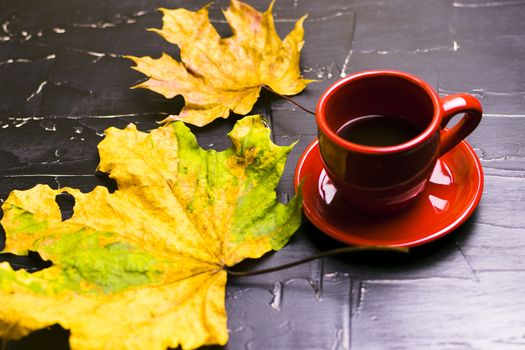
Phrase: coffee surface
[378,130]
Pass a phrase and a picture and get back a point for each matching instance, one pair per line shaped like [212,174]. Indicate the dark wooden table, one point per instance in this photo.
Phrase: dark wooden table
[63,82]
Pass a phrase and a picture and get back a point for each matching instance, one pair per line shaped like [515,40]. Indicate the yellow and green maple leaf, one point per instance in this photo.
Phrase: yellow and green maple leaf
[218,75]
[144,267]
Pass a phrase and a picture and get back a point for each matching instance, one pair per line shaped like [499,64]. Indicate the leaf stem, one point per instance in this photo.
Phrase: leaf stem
[289,99]
[332,252]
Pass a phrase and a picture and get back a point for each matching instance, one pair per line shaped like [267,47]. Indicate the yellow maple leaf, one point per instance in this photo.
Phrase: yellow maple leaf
[144,267]
[218,75]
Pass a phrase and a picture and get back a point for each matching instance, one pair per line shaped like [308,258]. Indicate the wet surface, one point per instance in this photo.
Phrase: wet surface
[64,82]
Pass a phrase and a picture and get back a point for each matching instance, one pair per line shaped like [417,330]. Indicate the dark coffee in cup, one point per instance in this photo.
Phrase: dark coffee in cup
[379,130]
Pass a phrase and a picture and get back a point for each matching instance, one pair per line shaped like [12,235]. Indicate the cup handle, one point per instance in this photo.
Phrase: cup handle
[452,105]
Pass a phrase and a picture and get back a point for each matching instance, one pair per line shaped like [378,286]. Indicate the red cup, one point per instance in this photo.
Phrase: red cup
[387,179]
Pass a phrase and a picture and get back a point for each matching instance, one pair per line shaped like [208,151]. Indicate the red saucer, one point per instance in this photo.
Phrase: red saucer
[447,201]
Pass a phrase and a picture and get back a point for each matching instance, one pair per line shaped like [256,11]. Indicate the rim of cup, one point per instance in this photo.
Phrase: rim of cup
[427,133]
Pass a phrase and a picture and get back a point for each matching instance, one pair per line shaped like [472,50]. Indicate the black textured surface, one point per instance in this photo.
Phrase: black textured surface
[63,83]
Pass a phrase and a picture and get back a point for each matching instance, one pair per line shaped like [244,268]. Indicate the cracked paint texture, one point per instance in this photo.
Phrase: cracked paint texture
[64,83]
